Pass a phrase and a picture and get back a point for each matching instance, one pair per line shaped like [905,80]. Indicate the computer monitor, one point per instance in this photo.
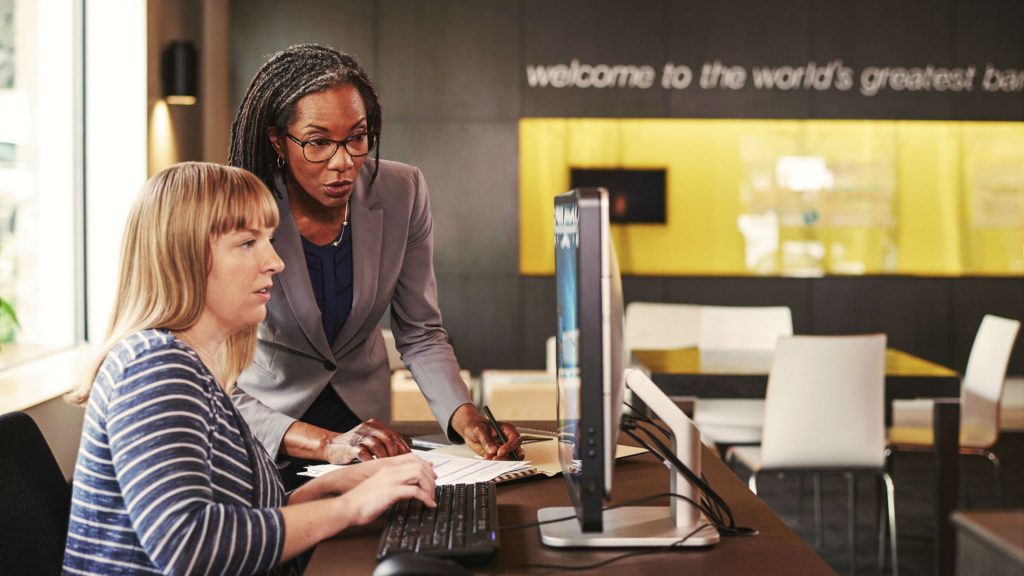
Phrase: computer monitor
[591,378]
[590,351]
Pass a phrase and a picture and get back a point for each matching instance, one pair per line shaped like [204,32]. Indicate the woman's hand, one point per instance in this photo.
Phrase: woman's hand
[391,480]
[368,441]
[370,488]
[481,437]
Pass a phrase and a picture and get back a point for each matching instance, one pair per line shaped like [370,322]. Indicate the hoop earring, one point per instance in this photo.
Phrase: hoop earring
[280,161]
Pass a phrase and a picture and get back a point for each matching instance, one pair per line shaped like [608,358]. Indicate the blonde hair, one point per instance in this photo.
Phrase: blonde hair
[165,257]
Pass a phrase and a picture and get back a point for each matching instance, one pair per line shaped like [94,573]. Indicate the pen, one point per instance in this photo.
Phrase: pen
[497,429]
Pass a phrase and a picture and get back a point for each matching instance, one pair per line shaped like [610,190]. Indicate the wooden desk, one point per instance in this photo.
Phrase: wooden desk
[776,550]
[689,372]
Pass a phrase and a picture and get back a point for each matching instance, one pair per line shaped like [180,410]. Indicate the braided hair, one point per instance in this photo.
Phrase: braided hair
[273,93]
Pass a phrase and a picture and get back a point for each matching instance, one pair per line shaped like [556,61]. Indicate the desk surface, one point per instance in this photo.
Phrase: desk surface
[776,550]
[694,361]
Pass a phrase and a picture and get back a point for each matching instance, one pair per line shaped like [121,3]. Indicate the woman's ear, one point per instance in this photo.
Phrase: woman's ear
[275,140]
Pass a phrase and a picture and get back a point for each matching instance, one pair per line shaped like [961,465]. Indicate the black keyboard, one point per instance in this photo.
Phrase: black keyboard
[464,526]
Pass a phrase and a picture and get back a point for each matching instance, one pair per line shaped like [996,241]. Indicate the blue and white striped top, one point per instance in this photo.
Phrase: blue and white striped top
[169,479]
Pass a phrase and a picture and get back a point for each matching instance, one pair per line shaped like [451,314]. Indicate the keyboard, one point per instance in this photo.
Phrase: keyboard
[464,526]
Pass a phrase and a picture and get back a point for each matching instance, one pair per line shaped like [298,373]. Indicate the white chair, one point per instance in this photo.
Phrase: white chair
[730,329]
[980,394]
[1011,408]
[743,328]
[661,326]
[824,414]
[658,326]
[519,394]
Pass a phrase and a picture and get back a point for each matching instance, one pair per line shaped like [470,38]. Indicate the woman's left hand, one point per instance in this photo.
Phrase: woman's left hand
[480,436]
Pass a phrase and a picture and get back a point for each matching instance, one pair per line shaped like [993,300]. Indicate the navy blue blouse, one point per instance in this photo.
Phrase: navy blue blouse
[330,272]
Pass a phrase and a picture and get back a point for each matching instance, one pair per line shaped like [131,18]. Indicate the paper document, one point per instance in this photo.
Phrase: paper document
[450,469]
[543,454]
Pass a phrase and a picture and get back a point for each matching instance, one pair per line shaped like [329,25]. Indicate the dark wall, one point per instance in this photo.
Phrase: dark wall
[453,82]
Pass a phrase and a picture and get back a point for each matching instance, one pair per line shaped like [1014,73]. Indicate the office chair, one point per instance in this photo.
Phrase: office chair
[661,326]
[737,329]
[980,395]
[824,414]
[36,500]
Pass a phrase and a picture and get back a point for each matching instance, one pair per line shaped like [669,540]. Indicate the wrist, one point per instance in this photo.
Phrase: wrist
[324,442]
[344,510]
[459,420]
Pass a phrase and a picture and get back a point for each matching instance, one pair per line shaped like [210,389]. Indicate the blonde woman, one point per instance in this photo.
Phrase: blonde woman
[169,479]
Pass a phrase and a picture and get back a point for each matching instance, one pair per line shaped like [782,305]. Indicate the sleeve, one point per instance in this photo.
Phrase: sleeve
[159,425]
[416,317]
[267,425]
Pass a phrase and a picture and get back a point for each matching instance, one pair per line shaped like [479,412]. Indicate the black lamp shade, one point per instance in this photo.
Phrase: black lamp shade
[179,73]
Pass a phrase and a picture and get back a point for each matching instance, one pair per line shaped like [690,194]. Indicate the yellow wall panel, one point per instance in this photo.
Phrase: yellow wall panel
[901,197]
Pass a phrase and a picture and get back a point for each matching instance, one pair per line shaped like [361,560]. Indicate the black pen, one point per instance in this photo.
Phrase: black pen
[497,429]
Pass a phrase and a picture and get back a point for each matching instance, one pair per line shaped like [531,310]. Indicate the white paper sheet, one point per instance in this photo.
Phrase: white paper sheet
[450,469]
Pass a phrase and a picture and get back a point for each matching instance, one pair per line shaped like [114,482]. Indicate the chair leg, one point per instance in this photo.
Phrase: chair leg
[819,522]
[890,489]
[851,522]
[880,525]
[996,476]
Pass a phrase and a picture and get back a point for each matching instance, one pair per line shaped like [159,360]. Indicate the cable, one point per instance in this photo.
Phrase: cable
[717,502]
[603,563]
[703,506]
[667,455]
[638,416]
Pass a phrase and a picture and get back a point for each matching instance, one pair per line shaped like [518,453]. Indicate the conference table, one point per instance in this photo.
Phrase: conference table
[744,374]
[776,550]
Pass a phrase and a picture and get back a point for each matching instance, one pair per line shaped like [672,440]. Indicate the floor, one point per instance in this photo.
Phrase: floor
[915,522]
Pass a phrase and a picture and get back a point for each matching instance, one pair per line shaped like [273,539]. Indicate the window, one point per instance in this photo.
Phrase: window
[40,177]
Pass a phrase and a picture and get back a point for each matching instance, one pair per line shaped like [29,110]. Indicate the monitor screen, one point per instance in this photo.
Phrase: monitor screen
[590,352]
[634,196]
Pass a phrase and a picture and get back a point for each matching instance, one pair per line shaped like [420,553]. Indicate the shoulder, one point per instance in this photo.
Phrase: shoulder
[392,169]
[146,357]
[395,176]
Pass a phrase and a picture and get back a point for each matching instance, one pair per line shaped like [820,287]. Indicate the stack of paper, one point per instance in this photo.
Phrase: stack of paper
[450,469]
[542,452]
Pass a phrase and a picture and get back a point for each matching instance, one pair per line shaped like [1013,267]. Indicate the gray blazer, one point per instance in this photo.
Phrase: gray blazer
[393,265]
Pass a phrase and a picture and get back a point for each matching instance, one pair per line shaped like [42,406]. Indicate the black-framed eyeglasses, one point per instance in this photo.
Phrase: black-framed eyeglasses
[320,150]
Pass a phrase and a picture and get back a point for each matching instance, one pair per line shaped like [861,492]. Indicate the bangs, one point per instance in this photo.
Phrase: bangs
[247,203]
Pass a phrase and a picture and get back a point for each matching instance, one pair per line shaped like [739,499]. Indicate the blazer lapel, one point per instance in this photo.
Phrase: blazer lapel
[367,239]
[294,278]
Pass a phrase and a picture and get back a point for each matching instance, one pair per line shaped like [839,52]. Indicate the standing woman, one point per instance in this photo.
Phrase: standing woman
[356,234]
[169,479]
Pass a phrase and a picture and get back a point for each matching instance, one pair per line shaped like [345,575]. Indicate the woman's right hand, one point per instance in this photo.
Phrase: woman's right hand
[378,484]
[393,479]
[368,441]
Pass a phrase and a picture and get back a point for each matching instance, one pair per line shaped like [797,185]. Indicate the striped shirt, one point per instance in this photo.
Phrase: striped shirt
[169,479]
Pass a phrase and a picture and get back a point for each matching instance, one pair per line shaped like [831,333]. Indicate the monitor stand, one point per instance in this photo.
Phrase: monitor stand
[644,526]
